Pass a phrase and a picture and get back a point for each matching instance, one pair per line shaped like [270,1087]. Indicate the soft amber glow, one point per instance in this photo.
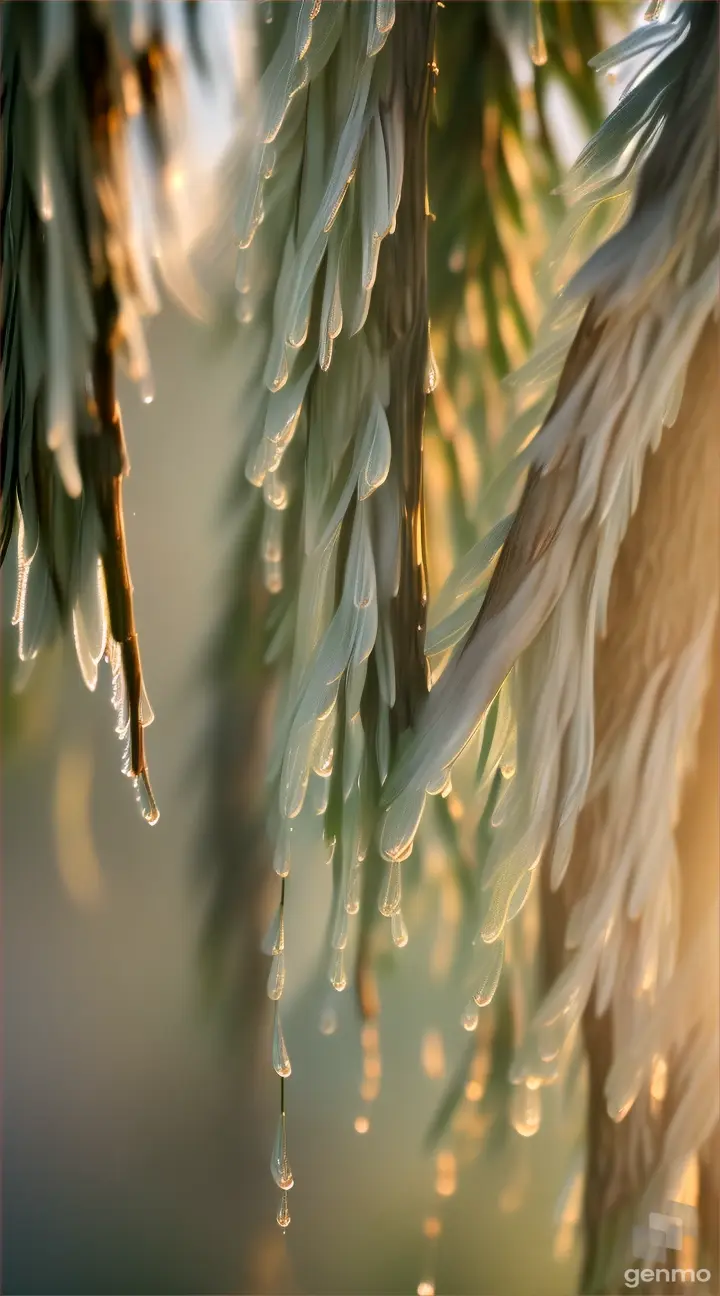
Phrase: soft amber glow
[432,1227]
[446,1174]
[432,1055]
[369,1090]
[76,856]
[362,1124]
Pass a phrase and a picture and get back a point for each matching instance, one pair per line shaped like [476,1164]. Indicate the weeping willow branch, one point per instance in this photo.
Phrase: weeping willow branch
[652,289]
[93,159]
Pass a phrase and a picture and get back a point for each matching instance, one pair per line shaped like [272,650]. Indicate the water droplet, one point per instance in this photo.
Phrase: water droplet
[279,1165]
[362,1124]
[538,48]
[283,1215]
[328,1021]
[244,312]
[281,858]
[280,1056]
[525,1110]
[392,893]
[426,1288]
[398,929]
[146,800]
[470,1017]
[281,376]
[352,900]
[490,962]
[276,979]
[147,390]
[432,1227]
[338,978]
[274,939]
[340,930]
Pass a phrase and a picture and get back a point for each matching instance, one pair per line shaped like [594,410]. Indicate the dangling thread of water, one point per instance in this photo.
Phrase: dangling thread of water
[280,1166]
[538,48]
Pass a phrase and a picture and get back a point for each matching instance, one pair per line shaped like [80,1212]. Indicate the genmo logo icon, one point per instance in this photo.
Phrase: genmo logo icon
[664,1232]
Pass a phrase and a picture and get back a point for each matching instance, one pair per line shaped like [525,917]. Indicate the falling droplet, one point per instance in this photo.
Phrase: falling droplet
[328,1021]
[283,1215]
[352,902]
[276,979]
[470,1017]
[525,1110]
[392,894]
[279,1165]
[147,390]
[398,929]
[538,48]
[274,939]
[445,1174]
[280,1056]
[362,1124]
[426,1288]
[432,1055]
[338,978]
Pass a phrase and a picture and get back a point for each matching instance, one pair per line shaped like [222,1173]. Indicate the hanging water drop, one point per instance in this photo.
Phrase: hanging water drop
[525,1110]
[398,930]
[470,1017]
[340,930]
[281,859]
[338,978]
[274,939]
[538,48]
[280,1056]
[392,894]
[145,799]
[490,965]
[328,1020]
[283,1215]
[279,1165]
[276,979]
[352,900]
